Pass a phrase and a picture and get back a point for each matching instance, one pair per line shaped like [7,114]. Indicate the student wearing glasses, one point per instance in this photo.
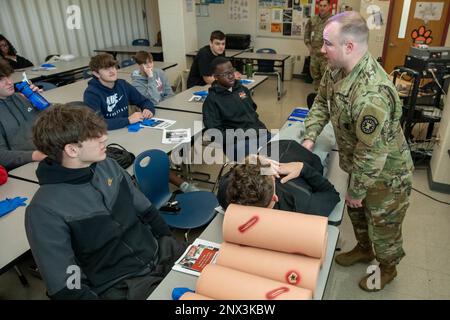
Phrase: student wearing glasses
[229,105]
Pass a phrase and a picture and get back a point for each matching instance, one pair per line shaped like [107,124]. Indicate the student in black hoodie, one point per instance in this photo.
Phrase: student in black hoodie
[92,233]
[230,107]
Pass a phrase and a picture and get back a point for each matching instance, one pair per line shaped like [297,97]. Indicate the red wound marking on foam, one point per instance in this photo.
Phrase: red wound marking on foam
[276,292]
[250,223]
[293,277]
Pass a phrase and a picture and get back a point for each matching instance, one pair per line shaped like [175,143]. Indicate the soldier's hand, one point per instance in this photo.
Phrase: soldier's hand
[290,170]
[353,203]
[308,144]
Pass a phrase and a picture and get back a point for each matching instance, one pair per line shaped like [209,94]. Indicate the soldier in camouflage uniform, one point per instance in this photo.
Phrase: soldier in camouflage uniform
[313,40]
[364,108]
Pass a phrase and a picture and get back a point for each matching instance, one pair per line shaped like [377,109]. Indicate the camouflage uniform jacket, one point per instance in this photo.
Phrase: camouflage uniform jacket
[314,32]
[365,110]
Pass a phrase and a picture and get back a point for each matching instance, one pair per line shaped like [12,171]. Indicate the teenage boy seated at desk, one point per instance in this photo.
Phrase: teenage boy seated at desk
[257,182]
[229,105]
[17,116]
[200,73]
[110,96]
[93,234]
[150,82]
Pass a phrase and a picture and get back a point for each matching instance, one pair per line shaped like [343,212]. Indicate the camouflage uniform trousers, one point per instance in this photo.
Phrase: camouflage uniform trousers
[379,220]
[317,67]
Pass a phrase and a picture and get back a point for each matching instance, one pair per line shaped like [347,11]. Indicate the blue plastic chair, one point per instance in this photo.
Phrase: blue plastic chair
[151,169]
[267,67]
[126,63]
[141,42]
[45,85]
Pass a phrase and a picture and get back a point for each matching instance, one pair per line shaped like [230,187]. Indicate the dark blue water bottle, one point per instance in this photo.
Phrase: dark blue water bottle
[34,97]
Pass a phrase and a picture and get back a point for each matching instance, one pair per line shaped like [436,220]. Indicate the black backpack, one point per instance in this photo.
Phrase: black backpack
[120,154]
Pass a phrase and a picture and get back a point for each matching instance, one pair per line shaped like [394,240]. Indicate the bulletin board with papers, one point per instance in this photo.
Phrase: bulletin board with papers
[283,18]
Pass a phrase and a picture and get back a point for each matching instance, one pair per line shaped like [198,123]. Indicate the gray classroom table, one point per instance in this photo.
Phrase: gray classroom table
[13,239]
[214,233]
[181,101]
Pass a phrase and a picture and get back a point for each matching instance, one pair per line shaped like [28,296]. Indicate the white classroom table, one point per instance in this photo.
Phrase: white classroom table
[114,50]
[135,142]
[13,239]
[181,101]
[76,64]
[214,233]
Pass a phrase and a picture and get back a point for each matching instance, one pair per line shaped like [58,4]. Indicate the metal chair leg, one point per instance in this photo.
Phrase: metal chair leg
[21,276]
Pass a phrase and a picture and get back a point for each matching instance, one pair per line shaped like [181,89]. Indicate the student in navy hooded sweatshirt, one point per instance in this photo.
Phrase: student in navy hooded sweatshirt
[110,96]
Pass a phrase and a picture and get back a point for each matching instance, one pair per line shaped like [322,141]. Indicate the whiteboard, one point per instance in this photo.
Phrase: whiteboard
[283,18]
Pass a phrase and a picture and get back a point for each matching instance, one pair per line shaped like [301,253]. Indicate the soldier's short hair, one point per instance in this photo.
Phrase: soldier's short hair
[353,26]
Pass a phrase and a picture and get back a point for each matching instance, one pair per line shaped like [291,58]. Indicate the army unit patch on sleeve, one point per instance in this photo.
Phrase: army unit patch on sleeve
[369,124]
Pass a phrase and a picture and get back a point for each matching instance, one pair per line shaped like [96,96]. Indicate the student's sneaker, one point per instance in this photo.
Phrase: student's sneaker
[187,187]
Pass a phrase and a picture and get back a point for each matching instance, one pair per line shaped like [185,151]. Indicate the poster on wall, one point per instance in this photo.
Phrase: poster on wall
[429,11]
[264,3]
[277,15]
[275,28]
[264,19]
[238,10]
[287,16]
[287,29]
[189,5]
[297,22]
[279,3]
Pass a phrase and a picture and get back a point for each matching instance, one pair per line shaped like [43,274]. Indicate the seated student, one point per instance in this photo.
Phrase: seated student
[229,105]
[93,234]
[255,183]
[110,96]
[9,53]
[151,83]
[200,72]
[17,116]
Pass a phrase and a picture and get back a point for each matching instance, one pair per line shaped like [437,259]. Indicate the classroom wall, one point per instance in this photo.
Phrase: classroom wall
[218,19]
[152,11]
[178,32]
[376,36]
[38,28]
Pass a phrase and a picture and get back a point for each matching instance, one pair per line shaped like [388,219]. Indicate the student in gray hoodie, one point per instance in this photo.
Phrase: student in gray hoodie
[150,82]
[17,117]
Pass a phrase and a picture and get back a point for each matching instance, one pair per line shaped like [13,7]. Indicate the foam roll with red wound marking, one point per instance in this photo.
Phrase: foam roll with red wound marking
[194,296]
[276,230]
[294,269]
[224,283]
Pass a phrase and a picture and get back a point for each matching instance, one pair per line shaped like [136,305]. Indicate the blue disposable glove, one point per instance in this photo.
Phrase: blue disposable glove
[178,292]
[135,127]
[245,81]
[8,205]
[201,93]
